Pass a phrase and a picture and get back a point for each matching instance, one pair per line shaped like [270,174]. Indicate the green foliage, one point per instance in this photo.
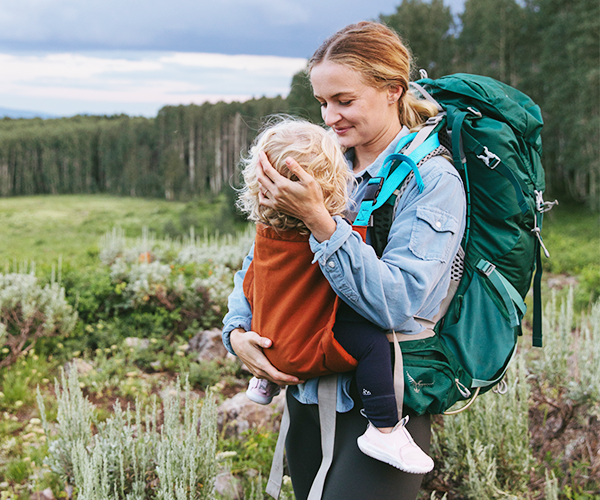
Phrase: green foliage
[253,451]
[301,100]
[131,455]
[184,152]
[46,229]
[427,28]
[17,381]
[567,85]
[491,39]
[570,252]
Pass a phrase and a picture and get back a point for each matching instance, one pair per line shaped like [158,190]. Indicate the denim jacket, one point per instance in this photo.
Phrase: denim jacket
[410,280]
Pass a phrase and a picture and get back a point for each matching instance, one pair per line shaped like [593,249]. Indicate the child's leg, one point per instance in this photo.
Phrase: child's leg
[374,376]
[386,439]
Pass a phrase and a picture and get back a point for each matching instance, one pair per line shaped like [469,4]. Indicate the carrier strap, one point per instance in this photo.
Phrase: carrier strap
[398,375]
[327,415]
[276,475]
[327,393]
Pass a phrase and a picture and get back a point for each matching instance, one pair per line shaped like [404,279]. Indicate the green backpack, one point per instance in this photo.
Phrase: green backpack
[493,133]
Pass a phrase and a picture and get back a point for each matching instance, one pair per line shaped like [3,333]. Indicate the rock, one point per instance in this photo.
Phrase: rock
[80,365]
[208,344]
[43,495]
[238,414]
[229,486]
[137,343]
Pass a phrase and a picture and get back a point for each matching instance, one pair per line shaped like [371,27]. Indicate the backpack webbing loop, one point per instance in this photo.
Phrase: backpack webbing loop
[511,298]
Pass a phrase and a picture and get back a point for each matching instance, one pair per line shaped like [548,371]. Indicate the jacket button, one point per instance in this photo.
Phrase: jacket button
[438,224]
[331,264]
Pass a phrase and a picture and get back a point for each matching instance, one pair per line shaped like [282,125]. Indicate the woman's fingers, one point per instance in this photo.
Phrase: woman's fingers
[249,348]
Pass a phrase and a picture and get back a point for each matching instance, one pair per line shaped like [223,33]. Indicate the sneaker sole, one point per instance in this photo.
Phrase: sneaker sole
[258,399]
[375,453]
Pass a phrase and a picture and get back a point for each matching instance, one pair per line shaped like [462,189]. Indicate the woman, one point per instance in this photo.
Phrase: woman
[361,78]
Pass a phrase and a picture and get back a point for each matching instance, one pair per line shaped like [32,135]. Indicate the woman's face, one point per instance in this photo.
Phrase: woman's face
[362,116]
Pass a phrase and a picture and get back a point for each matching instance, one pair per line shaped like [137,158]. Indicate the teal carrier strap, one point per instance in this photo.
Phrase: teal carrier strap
[393,172]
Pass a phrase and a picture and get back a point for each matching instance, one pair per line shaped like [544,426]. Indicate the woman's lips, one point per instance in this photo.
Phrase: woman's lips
[341,130]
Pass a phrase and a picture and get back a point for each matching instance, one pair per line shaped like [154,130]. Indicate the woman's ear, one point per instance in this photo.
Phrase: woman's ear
[394,93]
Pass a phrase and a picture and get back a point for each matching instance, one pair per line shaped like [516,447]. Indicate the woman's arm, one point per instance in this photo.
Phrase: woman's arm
[411,278]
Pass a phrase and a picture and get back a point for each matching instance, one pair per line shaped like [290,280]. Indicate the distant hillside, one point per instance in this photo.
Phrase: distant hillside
[20,113]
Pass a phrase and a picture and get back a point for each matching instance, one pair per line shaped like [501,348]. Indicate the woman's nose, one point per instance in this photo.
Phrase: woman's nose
[330,115]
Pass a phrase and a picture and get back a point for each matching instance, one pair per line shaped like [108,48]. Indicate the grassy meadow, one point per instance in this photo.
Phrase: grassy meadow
[44,229]
[121,285]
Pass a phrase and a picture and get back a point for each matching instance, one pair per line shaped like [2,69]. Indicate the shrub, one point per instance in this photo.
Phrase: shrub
[29,311]
[485,450]
[134,457]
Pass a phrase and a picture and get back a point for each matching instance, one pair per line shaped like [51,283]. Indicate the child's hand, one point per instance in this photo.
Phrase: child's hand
[302,199]
[249,346]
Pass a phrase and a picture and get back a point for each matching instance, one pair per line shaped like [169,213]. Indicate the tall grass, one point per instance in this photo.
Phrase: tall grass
[493,450]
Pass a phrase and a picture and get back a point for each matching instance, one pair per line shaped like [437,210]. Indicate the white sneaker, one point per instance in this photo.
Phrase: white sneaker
[396,448]
[262,391]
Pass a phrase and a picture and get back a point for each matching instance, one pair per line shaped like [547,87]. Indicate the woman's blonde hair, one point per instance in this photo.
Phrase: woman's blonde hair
[378,54]
[315,149]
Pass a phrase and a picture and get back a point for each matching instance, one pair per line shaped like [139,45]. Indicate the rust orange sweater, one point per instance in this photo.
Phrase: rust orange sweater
[294,306]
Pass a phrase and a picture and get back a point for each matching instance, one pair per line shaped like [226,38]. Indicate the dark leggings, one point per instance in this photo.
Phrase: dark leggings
[353,475]
[370,347]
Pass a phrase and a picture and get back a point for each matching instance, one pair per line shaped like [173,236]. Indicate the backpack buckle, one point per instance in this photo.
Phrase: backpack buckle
[541,205]
[373,189]
[490,159]
[486,267]
[434,120]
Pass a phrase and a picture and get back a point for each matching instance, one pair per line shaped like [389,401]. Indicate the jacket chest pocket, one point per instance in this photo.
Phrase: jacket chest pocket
[432,234]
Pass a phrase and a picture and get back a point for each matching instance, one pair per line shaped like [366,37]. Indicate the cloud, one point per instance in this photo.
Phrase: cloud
[120,80]
[291,28]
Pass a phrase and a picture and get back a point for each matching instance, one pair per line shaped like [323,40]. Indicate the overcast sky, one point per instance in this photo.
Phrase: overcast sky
[65,57]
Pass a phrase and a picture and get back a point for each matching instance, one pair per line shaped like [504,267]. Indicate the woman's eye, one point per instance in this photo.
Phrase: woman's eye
[323,104]
[345,103]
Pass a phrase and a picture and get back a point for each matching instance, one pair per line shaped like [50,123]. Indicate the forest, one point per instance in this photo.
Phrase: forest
[548,49]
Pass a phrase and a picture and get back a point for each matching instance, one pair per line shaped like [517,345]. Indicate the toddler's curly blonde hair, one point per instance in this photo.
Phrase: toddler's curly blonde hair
[315,149]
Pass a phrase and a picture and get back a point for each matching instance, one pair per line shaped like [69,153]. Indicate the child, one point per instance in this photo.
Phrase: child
[313,332]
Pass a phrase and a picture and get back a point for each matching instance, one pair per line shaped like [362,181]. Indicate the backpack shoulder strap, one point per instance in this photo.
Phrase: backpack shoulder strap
[393,172]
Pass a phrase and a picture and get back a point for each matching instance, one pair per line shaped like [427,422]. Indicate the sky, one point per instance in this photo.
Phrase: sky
[64,57]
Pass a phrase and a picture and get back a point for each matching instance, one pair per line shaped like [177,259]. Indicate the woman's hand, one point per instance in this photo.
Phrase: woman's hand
[249,348]
[302,199]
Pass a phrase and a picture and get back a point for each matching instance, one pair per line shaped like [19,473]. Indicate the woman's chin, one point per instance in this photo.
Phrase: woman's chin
[346,140]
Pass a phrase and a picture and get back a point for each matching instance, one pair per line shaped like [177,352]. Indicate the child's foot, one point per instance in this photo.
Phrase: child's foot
[396,448]
[262,391]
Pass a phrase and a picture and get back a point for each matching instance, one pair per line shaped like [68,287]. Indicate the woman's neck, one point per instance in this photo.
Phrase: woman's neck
[366,154]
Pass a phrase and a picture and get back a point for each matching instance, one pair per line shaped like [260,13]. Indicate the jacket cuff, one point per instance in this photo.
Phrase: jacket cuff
[232,325]
[327,248]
